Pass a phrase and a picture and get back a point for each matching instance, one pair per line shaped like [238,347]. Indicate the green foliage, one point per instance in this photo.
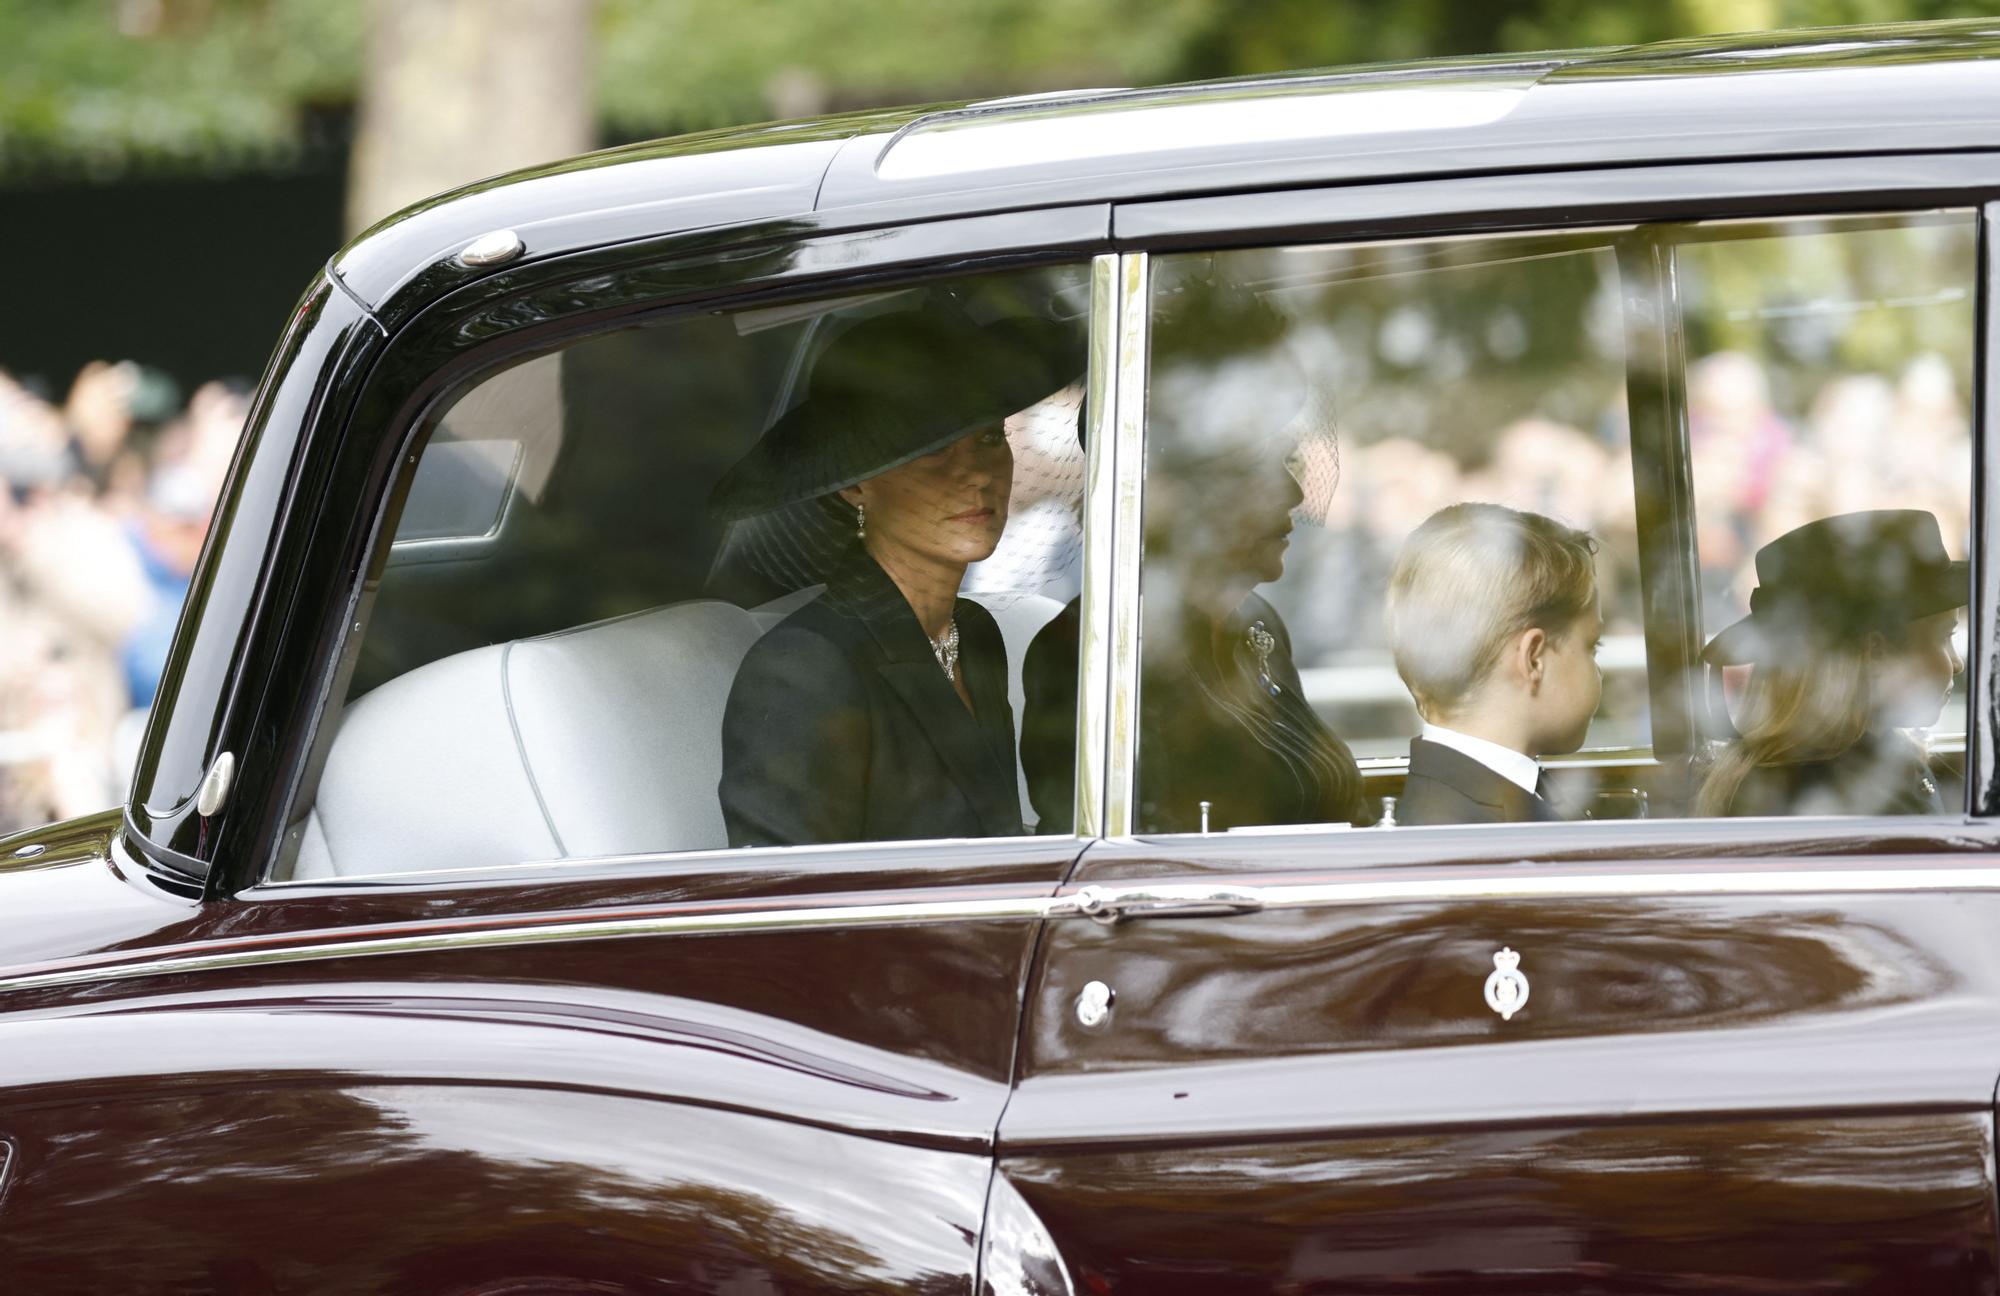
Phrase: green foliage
[689,64]
[107,83]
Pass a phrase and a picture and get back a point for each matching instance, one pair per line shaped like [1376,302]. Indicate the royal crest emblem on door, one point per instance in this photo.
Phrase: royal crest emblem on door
[1506,988]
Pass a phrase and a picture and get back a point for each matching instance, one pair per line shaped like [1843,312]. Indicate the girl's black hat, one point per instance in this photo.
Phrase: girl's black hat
[1836,580]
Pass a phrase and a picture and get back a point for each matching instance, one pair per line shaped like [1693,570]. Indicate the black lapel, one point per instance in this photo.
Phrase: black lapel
[961,741]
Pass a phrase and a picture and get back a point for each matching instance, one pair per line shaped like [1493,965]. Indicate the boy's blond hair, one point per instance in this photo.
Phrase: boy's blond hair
[1471,579]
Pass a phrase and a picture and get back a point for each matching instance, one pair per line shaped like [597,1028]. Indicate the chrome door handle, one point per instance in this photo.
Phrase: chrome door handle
[1109,904]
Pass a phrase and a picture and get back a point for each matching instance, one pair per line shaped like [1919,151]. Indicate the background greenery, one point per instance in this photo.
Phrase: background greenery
[106,85]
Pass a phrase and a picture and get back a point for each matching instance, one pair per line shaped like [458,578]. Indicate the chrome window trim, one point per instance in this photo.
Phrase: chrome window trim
[1511,882]
[1099,500]
[1114,472]
[1127,543]
[1982,670]
[662,861]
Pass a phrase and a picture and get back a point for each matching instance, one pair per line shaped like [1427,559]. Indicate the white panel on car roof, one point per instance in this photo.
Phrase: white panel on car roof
[954,143]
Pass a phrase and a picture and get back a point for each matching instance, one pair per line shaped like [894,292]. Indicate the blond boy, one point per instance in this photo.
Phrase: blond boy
[1494,621]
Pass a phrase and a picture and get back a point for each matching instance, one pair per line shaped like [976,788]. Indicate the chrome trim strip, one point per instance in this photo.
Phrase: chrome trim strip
[861,915]
[1982,671]
[602,867]
[1129,466]
[1524,882]
[1094,608]
[1535,884]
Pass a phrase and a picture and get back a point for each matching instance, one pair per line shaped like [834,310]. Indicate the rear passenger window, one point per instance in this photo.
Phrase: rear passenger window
[1651,521]
[751,578]
[1830,376]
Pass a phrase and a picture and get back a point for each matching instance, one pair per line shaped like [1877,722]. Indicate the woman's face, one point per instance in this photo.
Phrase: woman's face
[1911,681]
[948,506]
[1267,519]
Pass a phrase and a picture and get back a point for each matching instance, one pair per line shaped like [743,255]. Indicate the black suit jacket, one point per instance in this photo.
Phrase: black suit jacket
[1253,749]
[1445,786]
[840,726]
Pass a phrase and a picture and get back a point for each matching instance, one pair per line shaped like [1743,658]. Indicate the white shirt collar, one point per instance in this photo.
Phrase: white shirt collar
[1509,764]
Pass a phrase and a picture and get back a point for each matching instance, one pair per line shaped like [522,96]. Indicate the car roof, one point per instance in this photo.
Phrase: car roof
[1852,90]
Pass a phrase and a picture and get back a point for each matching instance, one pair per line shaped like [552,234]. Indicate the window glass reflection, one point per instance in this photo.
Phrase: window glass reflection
[1406,564]
[732,579]
[1309,409]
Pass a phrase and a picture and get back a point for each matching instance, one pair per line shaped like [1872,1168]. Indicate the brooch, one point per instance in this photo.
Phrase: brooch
[1261,642]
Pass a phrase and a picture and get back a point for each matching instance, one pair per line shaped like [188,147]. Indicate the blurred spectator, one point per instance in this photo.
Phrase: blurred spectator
[104,502]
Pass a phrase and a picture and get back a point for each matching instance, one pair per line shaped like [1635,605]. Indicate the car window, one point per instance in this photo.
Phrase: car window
[1406,563]
[670,588]
[1830,372]
[1308,408]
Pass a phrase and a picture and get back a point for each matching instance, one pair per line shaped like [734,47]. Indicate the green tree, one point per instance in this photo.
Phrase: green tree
[106,84]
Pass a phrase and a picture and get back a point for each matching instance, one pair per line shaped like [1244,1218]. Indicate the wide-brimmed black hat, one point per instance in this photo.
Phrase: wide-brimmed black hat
[1837,579]
[894,387]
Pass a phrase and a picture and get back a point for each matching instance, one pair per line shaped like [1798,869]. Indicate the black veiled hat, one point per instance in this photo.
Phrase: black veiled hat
[1837,579]
[895,387]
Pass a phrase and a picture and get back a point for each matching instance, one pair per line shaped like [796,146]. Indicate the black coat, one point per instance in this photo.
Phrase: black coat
[1219,729]
[1445,786]
[840,726]
[1883,774]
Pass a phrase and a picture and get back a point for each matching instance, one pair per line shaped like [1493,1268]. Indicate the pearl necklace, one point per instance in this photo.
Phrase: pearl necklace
[945,649]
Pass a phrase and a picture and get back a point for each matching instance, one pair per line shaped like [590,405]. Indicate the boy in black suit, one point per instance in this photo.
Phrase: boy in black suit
[1494,622]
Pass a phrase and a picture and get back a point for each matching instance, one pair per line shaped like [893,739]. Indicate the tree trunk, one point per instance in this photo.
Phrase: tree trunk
[456,90]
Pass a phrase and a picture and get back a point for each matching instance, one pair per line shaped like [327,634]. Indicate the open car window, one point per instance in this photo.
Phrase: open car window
[1372,469]
[661,590]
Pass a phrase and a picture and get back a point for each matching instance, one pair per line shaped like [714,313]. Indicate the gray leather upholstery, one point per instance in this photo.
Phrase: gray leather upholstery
[600,740]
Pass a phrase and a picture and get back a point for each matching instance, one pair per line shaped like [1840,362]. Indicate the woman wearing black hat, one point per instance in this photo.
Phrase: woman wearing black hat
[879,711]
[1849,644]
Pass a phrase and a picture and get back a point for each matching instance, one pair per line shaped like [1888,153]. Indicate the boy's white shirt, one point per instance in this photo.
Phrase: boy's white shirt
[1524,771]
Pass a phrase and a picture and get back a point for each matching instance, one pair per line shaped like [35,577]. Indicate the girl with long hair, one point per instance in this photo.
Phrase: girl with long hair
[1849,644]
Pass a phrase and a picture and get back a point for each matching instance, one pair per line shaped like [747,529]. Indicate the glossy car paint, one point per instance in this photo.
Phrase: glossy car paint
[238,583]
[813,1109]
[365,1186]
[801,1109]
[1702,1092]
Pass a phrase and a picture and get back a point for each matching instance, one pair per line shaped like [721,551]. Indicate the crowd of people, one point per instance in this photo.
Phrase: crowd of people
[109,485]
[1858,441]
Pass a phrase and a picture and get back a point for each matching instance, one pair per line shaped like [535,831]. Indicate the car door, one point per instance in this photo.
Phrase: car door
[501,1009]
[1671,1055]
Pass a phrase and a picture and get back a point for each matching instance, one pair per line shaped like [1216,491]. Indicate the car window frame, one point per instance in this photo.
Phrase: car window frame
[367,451]
[713,269]
[1535,203]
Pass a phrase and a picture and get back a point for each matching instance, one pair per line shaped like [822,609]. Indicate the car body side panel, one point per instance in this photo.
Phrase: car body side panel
[349,1186]
[805,1108]
[1696,1085]
[1883,1204]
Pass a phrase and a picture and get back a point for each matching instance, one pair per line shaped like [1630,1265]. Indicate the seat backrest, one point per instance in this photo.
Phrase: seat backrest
[600,740]
[605,739]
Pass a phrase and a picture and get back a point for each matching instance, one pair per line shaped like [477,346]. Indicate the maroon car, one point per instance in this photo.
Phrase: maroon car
[438,949]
